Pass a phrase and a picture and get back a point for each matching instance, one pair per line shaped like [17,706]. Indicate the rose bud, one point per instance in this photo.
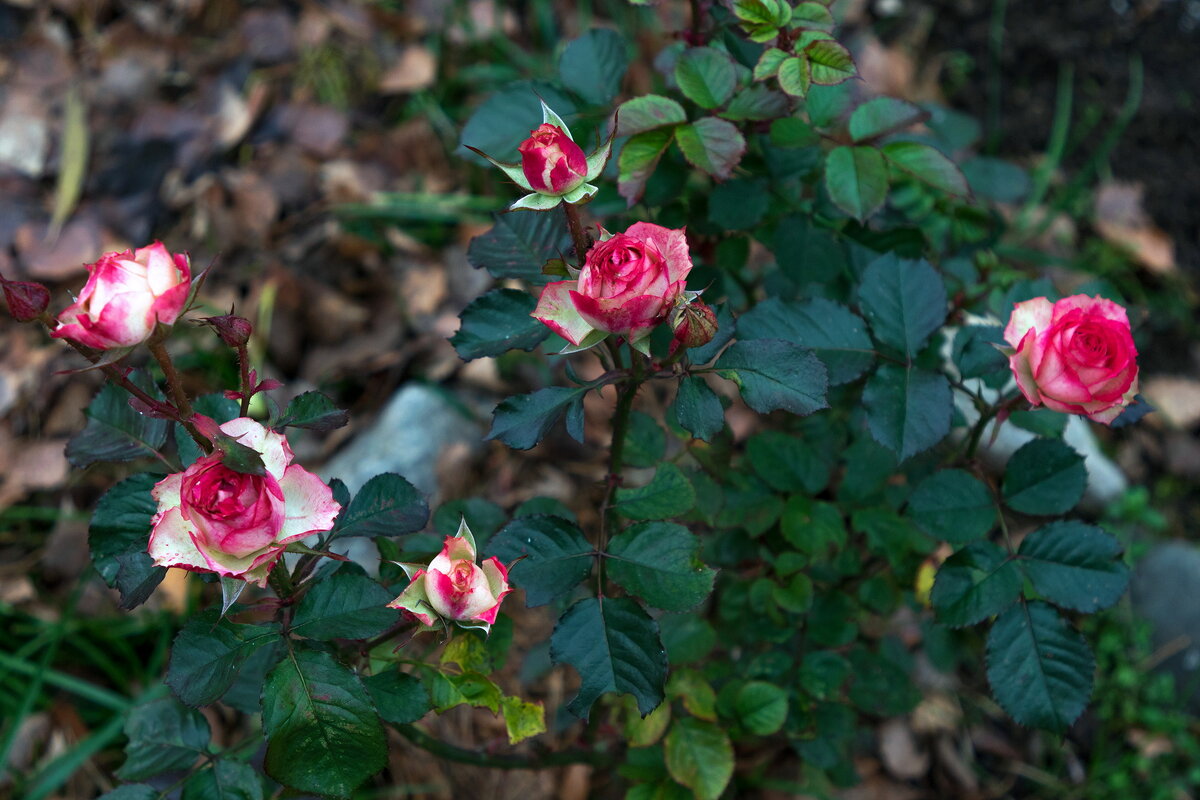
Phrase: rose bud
[1076,356]
[553,168]
[26,301]
[628,285]
[126,296]
[234,330]
[695,324]
[453,587]
[213,519]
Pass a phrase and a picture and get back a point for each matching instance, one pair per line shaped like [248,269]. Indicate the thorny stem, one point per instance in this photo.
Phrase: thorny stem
[281,582]
[243,357]
[625,395]
[178,395]
[453,753]
[575,224]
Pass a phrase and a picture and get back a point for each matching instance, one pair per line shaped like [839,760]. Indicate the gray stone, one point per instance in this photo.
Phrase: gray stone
[1164,589]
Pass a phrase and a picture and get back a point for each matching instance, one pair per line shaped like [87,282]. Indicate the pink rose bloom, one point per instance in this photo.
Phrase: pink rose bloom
[1075,356]
[453,587]
[629,284]
[213,519]
[126,295]
[552,162]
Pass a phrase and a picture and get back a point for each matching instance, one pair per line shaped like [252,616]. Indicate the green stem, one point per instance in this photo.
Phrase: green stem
[985,416]
[578,236]
[463,756]
[626,392]
[281,582]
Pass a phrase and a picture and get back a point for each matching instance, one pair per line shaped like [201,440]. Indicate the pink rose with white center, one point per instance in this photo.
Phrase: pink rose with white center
[551,161]
[1076,356]
[453,587]
[629,284]
[213,519]
[126,296]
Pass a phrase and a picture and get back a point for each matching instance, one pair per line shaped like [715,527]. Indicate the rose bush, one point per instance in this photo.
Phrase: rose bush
[453,587]
[1076,355]
[126,295]
[628,284]
[213,519]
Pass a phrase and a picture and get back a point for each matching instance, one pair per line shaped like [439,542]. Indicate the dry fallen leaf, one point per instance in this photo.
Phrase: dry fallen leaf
[1122,219]
[902,755]
[1176,397]
[415,70]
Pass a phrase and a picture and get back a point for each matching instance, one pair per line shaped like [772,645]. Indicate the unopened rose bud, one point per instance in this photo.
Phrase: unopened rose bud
[695,324]
[234,330]
[26,301]
[553,164]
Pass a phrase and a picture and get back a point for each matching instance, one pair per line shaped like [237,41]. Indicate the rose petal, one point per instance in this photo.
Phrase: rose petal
[415,601]
[1036,314]
[556,310]
[670,242]
[171,543]
[1091,305]
[617,316]
[309,506]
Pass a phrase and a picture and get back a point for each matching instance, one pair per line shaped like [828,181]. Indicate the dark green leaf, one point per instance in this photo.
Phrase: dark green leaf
[1074,565]
[119,535]
[614,647]
[686,637]
[712,145]
[225,780]
[904,300]
[878,685]
[638,159]
[132,791]
[522,420]
[345,605]
[647,113]
[761,707]
[520,243]
[504,120]
[837,335]
[314,411]
[497,322]
[857,180]
[738,204]
[1041,421]
[793,132]
[975,583]
[1044,476]
[706,76]
[163,736]
[115,431]
[645,441]
[401,698]
[908,410]
[813,527]
[323,735]
[386,505]
[775,374]
[952,505]
[556,556]
[882,115]
[593,65]
[789,463]
[807,253]
[658,562]
[1039,667]
[927,165]
[895,538]
[668,494]
[698,408]
[974,354]
[209,653]
[996,180]
[700,756]
[756,103]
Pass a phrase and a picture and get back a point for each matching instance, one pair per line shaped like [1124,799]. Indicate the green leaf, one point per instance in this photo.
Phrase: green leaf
[789,463]
[807,253]
[504,120]
[225,780]
[812,12]
[908,410]
[668,494]
[696,693]
[774,374]
[555,556]
[762,19]
[119,535]
[400,697]
[313,411]
[953,506]
[522,420]
[706,76]
[1039,667]
[614,647]
[345,605]
[836,334]
[794,75]
[974,354]
[904,300]
[712,145]
[768,63]
[323,735]
[857,180]
[698,409]
[829,62]
[996,180]
[386,505]
[115,431]
[659,562]
[209,653]
[645,441]
[927,165]
[522,720]
[593,65]
[726,327]
[813,527]
[163,736]
[879,685]
[639,157]
[822,673]
[700,756]
[897,539]
[520,243]
[756,103]
[739,204]
[1044,476]
[883,115]
[497,322]
[793,132]
[761,707]
[132,791]
[1074,565]
[1041,421]
[977,582]
[648,112]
